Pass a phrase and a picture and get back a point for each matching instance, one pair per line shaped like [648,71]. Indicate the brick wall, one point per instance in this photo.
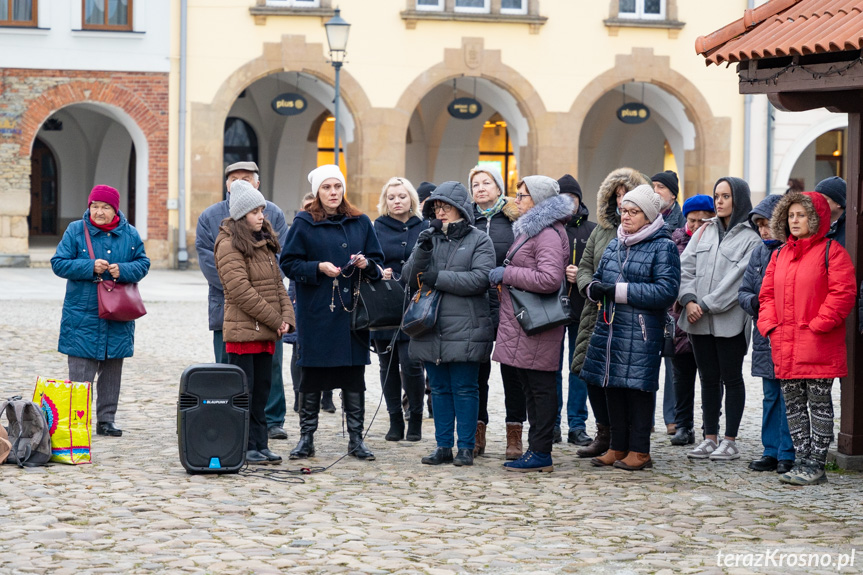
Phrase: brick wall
[29,97]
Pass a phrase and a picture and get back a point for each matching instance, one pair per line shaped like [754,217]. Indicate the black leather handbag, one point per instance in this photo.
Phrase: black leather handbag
[539,312]
[421,315]
[379,305]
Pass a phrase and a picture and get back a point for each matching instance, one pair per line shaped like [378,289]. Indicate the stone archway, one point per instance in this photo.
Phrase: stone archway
[711,158]
[473,60]
[292,54]
[147,124]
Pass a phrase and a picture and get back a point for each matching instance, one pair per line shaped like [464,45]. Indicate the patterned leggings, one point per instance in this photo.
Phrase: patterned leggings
[809,444]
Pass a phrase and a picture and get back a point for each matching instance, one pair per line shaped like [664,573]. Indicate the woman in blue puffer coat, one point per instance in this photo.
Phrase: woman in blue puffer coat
[96,347]
[635,283]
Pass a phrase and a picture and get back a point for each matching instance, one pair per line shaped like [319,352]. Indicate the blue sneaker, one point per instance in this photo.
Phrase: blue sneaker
[531,461]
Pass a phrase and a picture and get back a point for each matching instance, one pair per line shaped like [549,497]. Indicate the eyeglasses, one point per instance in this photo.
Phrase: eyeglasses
[442,207]
[520,197]
[630,213]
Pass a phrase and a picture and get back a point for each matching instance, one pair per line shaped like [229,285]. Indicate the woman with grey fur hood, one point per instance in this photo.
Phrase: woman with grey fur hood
[537,263]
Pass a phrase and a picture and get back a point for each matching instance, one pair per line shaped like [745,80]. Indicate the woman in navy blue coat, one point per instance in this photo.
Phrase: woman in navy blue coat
[97,347]
[397,229]
[329,247]
[635,283]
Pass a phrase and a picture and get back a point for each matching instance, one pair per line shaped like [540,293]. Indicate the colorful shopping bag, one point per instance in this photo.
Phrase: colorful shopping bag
[66,405]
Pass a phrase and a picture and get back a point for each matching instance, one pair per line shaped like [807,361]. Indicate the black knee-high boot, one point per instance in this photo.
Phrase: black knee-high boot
[310,407]
[355,409]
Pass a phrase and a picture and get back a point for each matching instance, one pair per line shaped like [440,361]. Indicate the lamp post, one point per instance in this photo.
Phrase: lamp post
[337,38]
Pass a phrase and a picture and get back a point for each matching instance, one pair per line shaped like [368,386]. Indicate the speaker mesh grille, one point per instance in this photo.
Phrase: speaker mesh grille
[241,401]
[188,401]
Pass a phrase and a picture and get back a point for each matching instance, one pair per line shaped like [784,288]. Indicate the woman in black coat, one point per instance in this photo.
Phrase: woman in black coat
[328,249]
[494,214]
[397,229]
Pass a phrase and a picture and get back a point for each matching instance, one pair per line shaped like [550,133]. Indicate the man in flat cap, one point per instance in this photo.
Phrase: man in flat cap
[205,239]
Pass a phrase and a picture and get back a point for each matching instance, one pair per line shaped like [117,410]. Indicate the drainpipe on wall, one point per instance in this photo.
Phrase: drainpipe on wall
[182,253]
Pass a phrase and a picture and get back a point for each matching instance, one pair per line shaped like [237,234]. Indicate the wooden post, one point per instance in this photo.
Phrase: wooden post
[851,429]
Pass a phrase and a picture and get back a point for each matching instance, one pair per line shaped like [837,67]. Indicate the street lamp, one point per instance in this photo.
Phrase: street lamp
[337,37]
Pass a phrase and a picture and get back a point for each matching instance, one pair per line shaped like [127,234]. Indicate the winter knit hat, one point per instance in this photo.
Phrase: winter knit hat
[645,198]
[669,180]
[541,188]
[325,172]
[699,203]
[569,185]
[492,171]
[425,190]
[833,188]
[111,197]
[244,198]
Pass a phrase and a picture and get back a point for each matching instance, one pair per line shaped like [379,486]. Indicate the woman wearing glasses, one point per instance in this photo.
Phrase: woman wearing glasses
[636,281]
[454,258]
[537,263]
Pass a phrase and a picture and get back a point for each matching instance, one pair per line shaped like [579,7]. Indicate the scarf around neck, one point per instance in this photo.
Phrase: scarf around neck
[494,210]
[642,234]
[111,226]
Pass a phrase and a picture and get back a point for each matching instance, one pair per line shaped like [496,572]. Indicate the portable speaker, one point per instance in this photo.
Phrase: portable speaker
[213,418]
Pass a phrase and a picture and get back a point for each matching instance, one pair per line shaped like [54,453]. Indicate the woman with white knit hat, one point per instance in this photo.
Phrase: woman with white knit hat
[636,281]
[329,248]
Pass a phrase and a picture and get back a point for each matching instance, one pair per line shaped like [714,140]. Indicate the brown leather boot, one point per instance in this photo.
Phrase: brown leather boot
[514,448]
[635,461]
[479,444]
[610,457]
[600,443]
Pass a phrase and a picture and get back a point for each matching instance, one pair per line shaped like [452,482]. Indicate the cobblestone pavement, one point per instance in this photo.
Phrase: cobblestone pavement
[135,509]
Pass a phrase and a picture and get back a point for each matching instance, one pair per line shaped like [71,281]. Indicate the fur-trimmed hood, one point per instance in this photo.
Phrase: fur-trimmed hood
[606,213]
[817,210]
[543,215]
[509,209]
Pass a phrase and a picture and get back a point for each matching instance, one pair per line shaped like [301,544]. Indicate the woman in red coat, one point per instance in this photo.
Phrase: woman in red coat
[808,291]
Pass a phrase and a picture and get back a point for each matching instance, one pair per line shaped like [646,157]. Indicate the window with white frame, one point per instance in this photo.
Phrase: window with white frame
[642,9]
[481,6]
[430,5]
[294,3]
[513,6]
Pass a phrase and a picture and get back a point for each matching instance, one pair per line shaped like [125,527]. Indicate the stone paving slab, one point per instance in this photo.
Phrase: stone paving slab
[135,510]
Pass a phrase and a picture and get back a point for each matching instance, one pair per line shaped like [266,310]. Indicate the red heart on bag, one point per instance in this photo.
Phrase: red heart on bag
[80,413]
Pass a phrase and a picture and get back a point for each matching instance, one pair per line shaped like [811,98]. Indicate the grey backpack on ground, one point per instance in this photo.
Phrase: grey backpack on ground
[28,432]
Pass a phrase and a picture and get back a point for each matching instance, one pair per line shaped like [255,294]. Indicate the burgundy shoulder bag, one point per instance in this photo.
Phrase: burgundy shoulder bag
[117,301]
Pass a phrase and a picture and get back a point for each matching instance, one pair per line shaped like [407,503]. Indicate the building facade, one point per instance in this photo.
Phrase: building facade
[89,94]
[84,99]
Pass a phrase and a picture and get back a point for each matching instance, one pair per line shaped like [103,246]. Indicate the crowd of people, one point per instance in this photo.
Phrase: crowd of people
[694,285]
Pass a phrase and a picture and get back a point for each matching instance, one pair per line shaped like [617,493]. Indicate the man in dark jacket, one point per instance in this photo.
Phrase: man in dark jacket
[778,451]
[205,239]
[578,229]
[833,190]
[667,186]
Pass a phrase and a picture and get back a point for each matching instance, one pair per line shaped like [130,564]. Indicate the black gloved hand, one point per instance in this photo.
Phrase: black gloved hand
[597,291]
[429,278]
[424,240]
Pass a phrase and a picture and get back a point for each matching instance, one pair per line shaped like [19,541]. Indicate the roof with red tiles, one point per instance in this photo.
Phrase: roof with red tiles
[786,28]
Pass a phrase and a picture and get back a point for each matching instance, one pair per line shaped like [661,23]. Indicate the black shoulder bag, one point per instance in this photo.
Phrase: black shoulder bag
[538,312]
